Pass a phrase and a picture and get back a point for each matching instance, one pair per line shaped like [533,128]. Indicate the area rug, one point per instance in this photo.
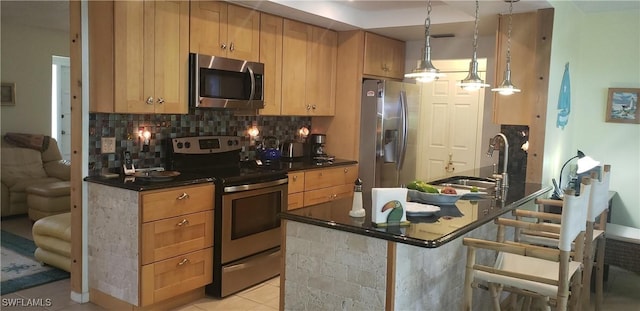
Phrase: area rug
[19,269]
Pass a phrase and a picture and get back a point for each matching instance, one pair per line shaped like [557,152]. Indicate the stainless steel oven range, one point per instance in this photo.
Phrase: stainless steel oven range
[247,202]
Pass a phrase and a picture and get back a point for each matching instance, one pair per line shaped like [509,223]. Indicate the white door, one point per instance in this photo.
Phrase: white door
[61,102]
[451,127]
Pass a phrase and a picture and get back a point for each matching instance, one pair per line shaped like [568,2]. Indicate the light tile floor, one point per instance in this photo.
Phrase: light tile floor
[621,291]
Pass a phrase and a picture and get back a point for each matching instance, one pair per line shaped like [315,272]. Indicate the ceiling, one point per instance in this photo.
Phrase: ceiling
[403,20]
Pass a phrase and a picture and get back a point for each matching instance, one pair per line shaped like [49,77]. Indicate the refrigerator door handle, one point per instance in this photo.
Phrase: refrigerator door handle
[404,128]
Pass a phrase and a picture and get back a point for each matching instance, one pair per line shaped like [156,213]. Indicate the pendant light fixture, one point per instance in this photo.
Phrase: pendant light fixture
[425,71]
[473,82]
[507,87]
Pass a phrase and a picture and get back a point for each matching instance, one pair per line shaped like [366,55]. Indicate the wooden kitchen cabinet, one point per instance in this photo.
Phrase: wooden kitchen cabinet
[161,241]
[295,190]
[271,57]
[383,57]
[320,185]
[176,241]
[309,69]
[151,63]
[226,30]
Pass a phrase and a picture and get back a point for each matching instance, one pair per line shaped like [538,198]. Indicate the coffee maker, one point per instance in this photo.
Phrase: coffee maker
[316,143]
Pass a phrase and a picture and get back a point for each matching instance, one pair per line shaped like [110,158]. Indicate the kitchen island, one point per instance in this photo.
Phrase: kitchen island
[333,261]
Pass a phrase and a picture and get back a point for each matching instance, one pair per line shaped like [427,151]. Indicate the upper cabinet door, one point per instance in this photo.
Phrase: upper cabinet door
[171,61]
[225,30]
[208,33]
[271,57]
[321,69]
[151,56]
[131,56]
[295,50]
[243,26]
[383,57]
[309,69]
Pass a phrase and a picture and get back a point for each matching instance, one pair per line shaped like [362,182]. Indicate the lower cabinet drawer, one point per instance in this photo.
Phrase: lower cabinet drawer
[327,194]
[159,204]
[296,200]
[169,237]
[168,278]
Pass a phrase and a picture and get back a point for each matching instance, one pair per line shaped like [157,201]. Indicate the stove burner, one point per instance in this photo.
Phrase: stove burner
[218,157]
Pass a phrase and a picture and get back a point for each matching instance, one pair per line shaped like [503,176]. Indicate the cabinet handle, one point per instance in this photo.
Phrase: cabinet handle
[346,170]
[223,46]
[183,196]
[313,107]
[295,177]
[160,100]
[149,100]
[183,262]
[232,47]
[308,107]
[183,222]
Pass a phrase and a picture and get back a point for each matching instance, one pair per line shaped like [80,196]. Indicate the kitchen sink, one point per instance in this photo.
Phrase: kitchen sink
[464,182]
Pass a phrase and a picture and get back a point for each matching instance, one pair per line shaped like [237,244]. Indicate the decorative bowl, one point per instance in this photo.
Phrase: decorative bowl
[433,198]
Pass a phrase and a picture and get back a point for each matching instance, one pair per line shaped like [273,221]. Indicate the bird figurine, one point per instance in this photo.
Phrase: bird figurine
[395,216]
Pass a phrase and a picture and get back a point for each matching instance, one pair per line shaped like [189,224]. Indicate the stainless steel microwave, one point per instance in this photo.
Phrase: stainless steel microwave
[218,82]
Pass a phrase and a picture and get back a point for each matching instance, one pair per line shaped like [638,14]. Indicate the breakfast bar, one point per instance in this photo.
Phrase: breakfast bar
[334,261]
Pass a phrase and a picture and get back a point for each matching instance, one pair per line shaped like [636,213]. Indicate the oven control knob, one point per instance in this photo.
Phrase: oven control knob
[230,142]
[179,145]
[187,145]
[236,142]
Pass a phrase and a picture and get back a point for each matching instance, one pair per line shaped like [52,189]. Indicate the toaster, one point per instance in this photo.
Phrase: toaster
[291,150]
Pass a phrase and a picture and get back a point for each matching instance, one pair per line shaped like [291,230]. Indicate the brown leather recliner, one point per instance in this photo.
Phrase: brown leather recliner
[44,170]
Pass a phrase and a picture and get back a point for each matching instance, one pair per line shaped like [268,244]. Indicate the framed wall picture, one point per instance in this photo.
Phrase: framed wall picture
[622,105]
[8,94]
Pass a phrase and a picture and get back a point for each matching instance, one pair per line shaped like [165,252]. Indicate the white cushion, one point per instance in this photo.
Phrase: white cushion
[530,266]
[623,233]
[21,163]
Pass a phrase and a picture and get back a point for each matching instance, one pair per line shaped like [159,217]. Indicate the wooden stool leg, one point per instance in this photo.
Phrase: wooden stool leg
[495,296]
[587,265]
[468,279]
[600,272]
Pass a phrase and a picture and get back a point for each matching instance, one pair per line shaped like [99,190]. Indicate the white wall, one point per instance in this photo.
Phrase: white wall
[26,61]
[602,49]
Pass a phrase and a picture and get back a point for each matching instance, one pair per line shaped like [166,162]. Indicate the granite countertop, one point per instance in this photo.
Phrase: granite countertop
[450,223]
[185,179]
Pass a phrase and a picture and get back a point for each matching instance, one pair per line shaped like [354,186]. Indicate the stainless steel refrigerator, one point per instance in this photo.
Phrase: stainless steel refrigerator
[389,117]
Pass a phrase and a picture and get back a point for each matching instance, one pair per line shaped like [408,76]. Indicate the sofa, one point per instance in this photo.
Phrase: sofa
[37,172]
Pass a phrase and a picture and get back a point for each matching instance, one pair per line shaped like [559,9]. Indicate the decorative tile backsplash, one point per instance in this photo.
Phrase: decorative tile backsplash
[199,122]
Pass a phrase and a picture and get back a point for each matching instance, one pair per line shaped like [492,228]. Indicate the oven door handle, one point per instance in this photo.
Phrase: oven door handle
[255,186]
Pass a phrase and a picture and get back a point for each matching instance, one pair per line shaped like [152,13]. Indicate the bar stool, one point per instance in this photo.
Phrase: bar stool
[553,274]
[598,206]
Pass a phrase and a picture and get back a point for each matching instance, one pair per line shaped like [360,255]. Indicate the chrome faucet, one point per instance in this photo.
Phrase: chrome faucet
[492,147]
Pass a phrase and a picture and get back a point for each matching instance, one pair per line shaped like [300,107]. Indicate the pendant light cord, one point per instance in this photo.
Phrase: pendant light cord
[475,33]
[509,34]
[427,28]
[427,21]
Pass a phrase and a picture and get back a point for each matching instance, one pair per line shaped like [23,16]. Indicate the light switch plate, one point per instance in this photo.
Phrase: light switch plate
[108,145]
